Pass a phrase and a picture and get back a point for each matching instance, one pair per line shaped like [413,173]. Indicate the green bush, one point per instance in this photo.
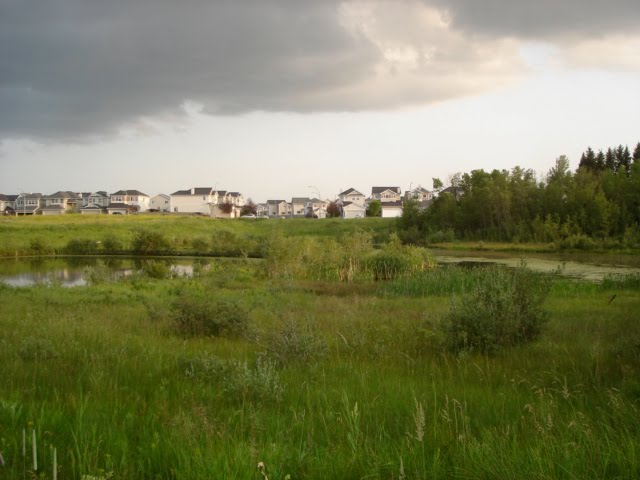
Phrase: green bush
[112,244]
[38,246]
[149,243]
[295,343]
[502,311]
[195,314]
[81,246]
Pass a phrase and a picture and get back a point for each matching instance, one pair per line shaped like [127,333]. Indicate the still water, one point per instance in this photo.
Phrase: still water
[77,271]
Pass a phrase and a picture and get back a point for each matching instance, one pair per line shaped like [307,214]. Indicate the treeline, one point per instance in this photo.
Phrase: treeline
[598,205]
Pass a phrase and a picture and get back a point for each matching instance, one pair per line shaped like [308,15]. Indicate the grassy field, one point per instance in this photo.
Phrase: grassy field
[185,234]
[316,371]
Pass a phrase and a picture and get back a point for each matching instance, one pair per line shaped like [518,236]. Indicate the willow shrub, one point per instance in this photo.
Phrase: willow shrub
[196,314]
[506,309]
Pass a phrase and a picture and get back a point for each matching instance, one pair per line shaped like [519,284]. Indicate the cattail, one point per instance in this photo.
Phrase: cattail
[35,451]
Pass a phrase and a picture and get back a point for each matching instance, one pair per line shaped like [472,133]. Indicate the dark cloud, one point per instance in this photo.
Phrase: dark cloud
[78,66]
[75,68]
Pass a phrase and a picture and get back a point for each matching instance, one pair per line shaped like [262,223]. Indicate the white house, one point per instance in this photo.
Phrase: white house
[193,200]
[391,209]
[352,195]
[316,208]
[352,210]
[95,203]
[161,202]
[8,204]
[129,200]
[29,203]
[278,208]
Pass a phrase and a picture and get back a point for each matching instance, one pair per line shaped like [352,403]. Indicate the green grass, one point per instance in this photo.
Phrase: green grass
[185,234]
[363,388]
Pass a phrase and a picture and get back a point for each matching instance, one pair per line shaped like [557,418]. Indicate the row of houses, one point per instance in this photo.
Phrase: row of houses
[208,201]
[350,203]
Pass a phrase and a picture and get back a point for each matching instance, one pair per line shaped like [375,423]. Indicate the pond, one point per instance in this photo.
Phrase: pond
[76,271]
[594,267]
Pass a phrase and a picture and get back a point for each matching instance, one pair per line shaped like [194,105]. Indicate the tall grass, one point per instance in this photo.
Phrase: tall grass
[319,386]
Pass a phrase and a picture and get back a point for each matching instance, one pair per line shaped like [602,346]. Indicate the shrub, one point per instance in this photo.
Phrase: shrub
[111,244]
[38,246]
[504,310]
[195,314]
[296,343]
[77,246]
[149,243]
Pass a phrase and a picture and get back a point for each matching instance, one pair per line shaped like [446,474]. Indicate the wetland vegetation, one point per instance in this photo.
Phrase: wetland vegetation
[338,353]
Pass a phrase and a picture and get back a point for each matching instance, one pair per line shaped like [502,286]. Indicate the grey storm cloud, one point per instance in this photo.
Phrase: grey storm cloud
[75,68]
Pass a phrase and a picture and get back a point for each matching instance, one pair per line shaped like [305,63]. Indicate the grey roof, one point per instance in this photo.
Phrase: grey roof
[12,198]
[300,199]
[194,191]
[64,194]
[53,207]
[4,198]
[375,190]
[118,205]
[92,206]
[351,191]
[314,200]
[130,192]
[275,202]
[391,204]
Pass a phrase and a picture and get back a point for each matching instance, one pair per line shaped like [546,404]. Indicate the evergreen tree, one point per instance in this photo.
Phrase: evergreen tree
[610,160]
[588,160]
[625,161]
[600,161]
[619,152]
[636,154]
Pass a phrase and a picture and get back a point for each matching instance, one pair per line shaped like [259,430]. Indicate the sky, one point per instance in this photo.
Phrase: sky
[294,98]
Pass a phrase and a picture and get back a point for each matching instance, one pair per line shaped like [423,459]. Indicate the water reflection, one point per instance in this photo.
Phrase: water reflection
[77,271]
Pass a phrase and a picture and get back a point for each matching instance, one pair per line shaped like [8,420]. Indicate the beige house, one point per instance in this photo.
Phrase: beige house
[299,206]
[128,201]
[278,208]
[61,202]
[386,194]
